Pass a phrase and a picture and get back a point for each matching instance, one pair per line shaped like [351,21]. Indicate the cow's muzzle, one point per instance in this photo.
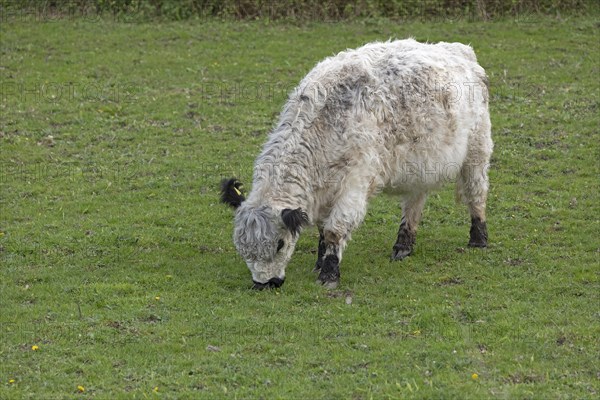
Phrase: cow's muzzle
[273,283]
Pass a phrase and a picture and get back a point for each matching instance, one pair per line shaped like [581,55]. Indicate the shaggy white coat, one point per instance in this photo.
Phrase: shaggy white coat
[400,115]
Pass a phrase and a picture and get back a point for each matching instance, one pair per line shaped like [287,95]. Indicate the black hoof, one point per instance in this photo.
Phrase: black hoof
[478,233]
[478,244]
[329,274]
[404,244]
[400,253]
[330,282]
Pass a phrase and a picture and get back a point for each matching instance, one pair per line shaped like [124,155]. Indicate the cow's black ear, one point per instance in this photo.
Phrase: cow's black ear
[231,192]
[294,219]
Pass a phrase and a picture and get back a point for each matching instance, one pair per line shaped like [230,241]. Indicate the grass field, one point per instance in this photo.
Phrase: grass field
[117,261]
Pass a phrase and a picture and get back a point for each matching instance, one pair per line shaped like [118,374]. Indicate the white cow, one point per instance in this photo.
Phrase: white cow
[401,115]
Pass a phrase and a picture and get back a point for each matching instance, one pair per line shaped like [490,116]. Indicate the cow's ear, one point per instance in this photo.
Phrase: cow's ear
[294,219]
[231,192]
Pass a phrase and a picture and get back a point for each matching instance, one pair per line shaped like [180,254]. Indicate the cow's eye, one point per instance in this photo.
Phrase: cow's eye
[280,244]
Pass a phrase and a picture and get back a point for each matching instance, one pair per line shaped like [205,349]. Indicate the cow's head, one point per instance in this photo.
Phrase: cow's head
[265,236]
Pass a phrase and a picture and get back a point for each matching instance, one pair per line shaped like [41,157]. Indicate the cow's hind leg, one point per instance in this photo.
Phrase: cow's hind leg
[412,209]
[472,188]
[320,251]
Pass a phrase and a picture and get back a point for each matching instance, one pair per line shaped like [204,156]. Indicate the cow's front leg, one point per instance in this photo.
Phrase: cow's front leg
[329,273]
[347,214]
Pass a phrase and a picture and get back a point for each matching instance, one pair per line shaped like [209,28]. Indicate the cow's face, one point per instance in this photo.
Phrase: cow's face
[264,244]
[264,236]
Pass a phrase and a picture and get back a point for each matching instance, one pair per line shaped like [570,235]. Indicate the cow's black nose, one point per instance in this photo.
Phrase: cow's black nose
[271,284]
[276,282]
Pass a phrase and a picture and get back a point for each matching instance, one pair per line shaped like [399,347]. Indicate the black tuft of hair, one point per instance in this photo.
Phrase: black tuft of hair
[231,192]
[294,219]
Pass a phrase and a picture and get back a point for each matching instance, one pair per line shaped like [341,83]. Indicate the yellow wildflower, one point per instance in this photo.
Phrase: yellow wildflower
[81,388]
[11,381]
[35,347]
[474,377]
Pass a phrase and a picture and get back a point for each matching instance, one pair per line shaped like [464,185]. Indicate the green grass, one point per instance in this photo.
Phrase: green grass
[117,260]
